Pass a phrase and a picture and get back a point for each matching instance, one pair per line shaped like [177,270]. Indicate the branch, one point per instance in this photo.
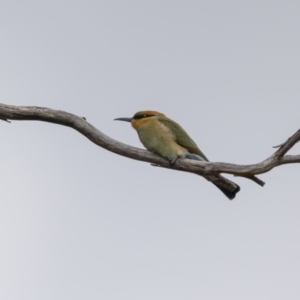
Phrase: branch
[205,169]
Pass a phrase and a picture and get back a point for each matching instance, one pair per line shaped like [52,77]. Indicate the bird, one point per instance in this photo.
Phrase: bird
[163,136]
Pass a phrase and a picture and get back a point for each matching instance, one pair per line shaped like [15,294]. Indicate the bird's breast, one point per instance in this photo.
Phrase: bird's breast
[158,138]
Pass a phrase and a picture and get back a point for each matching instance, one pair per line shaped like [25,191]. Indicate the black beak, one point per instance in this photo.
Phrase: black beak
[123,119]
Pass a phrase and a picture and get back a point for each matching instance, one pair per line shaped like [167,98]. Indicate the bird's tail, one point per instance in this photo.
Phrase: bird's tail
[229,193]
[227,187]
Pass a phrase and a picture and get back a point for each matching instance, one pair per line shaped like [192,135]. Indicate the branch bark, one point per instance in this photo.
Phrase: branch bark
[205,169]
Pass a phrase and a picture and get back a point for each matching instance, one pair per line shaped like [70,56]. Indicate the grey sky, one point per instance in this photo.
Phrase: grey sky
[78,222]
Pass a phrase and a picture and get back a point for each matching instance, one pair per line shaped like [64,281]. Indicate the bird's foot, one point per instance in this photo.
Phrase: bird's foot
[173,160]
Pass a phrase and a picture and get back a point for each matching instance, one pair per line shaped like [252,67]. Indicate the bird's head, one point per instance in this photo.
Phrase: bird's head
[141,117]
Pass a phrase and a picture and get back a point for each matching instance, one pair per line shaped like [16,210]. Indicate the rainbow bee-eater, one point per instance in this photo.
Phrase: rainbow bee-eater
[163,136]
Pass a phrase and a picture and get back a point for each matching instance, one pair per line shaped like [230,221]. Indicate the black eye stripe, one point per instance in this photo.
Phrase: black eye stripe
[142,117]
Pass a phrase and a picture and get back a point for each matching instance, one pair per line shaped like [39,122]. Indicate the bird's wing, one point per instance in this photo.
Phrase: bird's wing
[181,137]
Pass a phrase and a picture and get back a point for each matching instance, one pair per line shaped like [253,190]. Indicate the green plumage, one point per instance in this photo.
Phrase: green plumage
[181,137]
[168,139]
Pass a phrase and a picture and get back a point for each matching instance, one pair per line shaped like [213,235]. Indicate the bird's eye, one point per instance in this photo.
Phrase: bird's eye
[144,116]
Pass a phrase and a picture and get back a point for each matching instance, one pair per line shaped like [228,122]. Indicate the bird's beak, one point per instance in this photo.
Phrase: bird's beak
[123,119]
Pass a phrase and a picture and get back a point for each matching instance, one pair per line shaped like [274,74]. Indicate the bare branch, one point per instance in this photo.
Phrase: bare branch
[253,178]
[287,145]
[208,170]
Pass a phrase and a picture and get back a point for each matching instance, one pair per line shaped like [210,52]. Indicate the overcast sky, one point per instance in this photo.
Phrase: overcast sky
[79,222]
